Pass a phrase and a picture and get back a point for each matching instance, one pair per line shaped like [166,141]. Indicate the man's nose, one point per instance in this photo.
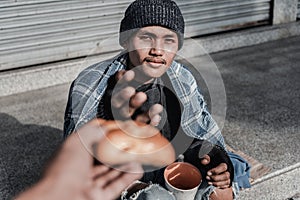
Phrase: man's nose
[157,48]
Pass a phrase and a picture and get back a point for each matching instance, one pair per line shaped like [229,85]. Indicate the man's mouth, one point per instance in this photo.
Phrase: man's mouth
[156,60]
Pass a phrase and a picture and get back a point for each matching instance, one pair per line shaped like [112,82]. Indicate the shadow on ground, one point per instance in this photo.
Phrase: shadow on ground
[24,151]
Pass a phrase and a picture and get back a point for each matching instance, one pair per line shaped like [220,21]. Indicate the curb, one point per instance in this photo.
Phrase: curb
[283,184]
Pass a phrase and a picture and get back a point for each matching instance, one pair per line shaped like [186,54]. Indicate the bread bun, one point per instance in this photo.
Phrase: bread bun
[130,141]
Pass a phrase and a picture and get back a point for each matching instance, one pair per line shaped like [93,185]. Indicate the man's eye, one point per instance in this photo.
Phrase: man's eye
[170,40]
[145,37]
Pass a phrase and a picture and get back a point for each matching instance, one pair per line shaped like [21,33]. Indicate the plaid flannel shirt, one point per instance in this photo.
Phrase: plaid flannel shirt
[89,87]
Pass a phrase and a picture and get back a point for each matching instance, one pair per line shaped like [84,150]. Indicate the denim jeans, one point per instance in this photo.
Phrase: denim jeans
[156,191]
[151,192]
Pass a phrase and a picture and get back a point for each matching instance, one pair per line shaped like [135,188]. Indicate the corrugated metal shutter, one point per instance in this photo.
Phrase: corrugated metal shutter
[210,16]
[298,14]
[40,31]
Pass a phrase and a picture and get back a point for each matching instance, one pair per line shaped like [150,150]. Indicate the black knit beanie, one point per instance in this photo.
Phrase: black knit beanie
[142,13]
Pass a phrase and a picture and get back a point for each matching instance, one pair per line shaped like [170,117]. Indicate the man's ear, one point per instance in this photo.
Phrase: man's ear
[125,45]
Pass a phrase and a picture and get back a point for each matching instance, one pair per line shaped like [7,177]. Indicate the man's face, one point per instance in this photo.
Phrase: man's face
[152,49]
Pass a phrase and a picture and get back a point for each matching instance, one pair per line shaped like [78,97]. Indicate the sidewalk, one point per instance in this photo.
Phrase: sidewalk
[263,119]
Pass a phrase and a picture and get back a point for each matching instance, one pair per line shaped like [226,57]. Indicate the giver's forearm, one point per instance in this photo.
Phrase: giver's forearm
[46,190]
[38,191]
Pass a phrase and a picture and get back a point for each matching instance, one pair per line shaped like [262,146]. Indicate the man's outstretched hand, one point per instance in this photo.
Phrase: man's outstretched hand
[126,100]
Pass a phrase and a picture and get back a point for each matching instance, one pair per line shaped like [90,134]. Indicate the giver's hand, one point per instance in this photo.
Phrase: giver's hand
[126,100]
[72,175]
[218,176]
[106,183]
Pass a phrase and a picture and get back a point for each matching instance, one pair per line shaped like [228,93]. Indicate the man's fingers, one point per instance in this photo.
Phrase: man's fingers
[143,118]
[119,75]
[121,97]
[127,101]
[205,160]
[128,108]
[154,121]
[137,100]
[221,168]
[124,76]
[154,114]
[123,92]
[220,177]
[155,110]
[221,184]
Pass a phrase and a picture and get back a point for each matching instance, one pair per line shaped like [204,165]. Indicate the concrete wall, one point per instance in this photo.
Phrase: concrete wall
[284,11]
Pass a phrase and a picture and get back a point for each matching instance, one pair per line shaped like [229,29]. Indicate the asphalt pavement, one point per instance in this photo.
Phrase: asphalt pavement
[262,86]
